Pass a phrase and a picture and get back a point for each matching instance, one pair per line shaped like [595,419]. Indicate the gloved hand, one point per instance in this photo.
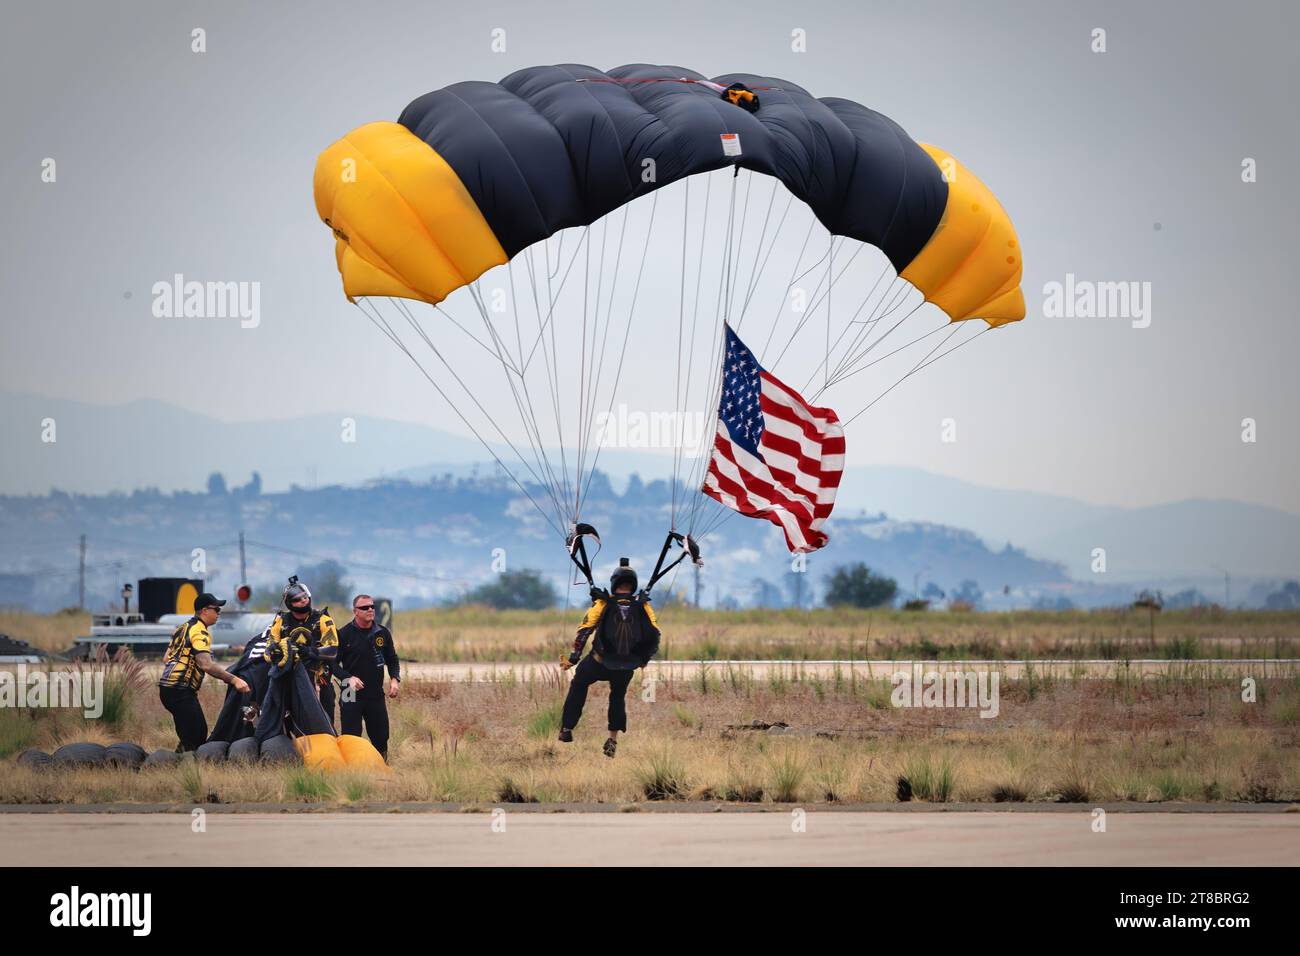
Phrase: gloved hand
[277,652]
[598,594]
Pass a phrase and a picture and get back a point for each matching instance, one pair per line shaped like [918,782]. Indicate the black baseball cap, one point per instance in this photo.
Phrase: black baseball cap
[206,600]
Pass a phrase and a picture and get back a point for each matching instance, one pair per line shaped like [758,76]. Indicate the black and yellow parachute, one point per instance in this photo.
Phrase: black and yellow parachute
[472,174]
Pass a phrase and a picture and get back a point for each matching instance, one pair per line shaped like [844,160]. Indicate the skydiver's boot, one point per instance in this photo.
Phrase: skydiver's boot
[566,735]
[611,745]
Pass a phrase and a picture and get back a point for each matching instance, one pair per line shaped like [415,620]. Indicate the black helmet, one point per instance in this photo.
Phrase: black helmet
[295,591]
[623,574]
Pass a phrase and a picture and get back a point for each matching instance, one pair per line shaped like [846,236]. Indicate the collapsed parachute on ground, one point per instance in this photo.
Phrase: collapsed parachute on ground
[293,726]
[481,175]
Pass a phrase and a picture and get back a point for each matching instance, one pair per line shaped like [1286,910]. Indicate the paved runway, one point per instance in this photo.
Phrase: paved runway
[779,837]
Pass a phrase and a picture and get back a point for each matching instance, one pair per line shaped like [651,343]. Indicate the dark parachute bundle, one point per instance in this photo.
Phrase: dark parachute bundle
[291,705]
[81,755]
[35,760]
[232,723]
[126,755]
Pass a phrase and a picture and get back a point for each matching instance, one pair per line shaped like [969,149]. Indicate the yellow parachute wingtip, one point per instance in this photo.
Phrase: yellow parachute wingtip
[405,224]
[971,267]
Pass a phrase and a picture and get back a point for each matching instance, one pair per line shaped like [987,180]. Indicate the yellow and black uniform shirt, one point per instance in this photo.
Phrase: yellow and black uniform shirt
[180,663]
[321,634]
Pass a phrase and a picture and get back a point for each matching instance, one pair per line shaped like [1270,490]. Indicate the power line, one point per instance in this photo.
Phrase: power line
[351,565]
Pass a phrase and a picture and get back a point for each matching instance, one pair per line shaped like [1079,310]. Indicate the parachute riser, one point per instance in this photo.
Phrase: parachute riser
[690,549]
[577,548]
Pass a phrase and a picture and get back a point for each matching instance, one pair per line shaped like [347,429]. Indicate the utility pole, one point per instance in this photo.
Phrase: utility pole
[81,576]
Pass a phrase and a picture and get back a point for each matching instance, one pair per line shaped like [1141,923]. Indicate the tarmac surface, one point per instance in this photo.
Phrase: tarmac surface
[507,836]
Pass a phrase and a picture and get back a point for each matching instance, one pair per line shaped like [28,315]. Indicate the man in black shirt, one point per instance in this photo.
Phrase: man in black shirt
[365,649]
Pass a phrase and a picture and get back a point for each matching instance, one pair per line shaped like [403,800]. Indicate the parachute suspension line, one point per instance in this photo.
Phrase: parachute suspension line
[380,323]
[734,273]
[896,303]
[600,364]
[681,326]
[551,357]
[844,331]
[830,279]
[780,304]
[923,364]
[522,403]
[714,393]
[419,331]
[724,280]
[690,486]
[481,344]
[865,328]
[920,338]
[627,330]
[582,353]
[758,268]
[528,409]
[715,369]
[540,340]
[590,373]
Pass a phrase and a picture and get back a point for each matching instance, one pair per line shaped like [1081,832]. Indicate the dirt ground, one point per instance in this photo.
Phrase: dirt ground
[781,837]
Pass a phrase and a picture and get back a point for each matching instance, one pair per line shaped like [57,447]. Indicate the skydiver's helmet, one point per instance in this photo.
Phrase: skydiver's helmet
[623,575]
[297,596]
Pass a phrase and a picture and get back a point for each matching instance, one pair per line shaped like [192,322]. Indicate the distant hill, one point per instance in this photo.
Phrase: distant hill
[431,541]
[144,444]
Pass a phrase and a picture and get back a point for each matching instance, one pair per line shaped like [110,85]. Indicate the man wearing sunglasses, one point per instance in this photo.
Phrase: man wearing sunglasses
[188,659]
[365,649]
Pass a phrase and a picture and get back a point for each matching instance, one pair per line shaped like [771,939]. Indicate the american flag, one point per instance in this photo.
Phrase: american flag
[775,456]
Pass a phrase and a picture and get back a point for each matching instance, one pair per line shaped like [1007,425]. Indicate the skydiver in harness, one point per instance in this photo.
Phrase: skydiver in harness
[624,632]
[301,635]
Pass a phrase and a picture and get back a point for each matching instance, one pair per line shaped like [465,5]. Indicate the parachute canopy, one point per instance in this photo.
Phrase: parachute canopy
[472,174]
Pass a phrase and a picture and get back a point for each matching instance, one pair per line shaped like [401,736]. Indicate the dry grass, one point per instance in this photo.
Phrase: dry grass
[481,634]
[476,634]
[48,632]
[791,741]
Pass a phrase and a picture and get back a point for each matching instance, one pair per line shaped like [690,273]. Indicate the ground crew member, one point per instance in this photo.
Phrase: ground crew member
[365,649]
[188,659]
[625,636]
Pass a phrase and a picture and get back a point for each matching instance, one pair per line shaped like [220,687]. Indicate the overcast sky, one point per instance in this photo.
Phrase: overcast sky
[1116,166]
